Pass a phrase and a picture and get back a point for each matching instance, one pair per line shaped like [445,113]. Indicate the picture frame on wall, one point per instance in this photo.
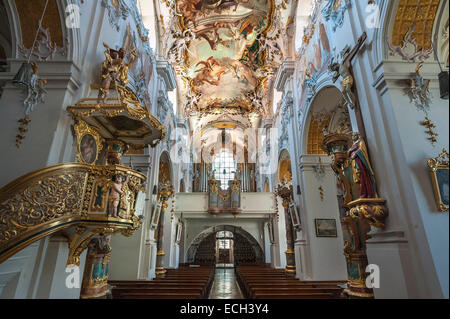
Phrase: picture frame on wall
[156,215]
[439,174]
[295,216]
[89,143]
[326,227]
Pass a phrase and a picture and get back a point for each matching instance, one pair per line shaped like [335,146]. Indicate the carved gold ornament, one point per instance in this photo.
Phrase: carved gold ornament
[373,210]
[58,197]
[440,179]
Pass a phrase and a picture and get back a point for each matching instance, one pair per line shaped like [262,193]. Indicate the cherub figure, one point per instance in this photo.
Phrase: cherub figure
[114,69]
[36,90]
[419,92]
[115,193]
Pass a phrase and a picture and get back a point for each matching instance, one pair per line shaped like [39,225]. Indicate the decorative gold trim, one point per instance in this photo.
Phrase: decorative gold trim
[374,210]
[434,164]
[54,198]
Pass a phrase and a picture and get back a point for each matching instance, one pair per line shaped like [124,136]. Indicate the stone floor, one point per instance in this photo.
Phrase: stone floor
[225,285]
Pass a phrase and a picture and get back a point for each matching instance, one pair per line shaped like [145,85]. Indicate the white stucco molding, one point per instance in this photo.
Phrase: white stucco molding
[309,162]
[165,71]
[285,71]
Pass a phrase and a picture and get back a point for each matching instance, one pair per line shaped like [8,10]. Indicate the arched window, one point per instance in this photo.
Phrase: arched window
[225,167]
[224,239]
[224,234]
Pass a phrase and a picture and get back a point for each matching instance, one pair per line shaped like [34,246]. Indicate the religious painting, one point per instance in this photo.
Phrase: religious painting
[440,180]
[88,149]
[98,202]
[295,217]
[314,61]
[227,44]
[326,228]
[89,143]
[155,216]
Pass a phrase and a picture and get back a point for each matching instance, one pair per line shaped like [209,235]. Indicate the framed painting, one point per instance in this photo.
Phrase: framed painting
[326,228]
[155,216]
[89,143]
[440,180]
[295,216]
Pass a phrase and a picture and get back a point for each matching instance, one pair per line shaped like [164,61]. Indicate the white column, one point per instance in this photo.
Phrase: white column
[325,253]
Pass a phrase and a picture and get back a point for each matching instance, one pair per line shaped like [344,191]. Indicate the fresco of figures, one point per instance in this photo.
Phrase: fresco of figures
[226,49]
[314,61]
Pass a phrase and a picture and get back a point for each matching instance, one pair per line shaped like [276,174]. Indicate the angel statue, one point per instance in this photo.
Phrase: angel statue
[114,69]
[29,79]
[419,92]
[343,70]
[36,91]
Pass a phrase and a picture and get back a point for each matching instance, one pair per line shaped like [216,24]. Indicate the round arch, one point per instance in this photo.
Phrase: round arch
[165,167]
[323,106]
[284,166]
[67,38]
[192,250]
[390,13]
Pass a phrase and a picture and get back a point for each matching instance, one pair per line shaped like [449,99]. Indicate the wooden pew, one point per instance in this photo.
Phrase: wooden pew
[262,282]
[183,283]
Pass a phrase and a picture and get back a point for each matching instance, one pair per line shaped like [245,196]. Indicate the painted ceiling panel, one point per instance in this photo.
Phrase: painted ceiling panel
[224,52]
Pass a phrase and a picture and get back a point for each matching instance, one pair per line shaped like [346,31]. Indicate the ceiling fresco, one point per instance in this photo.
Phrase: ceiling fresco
[225,52]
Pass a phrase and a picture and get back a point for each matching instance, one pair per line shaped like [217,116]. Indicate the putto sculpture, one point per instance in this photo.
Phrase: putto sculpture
[114,69]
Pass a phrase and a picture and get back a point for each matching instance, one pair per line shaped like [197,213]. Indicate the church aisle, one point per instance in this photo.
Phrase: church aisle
[225,285]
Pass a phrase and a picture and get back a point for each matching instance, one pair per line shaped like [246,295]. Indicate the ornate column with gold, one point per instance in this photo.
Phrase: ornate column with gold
[284,190]
[166,191]
[96,270]
[361,202]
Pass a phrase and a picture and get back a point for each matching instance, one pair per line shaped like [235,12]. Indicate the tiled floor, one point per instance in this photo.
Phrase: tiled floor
[225,285]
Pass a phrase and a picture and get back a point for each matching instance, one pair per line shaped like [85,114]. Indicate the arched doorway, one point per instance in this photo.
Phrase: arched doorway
[225,245]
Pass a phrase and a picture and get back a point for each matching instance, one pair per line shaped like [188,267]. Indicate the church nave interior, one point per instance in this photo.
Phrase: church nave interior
[224,149]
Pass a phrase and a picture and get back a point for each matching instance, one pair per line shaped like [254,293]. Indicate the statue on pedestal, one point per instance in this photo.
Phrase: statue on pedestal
[363,173]
[114,69]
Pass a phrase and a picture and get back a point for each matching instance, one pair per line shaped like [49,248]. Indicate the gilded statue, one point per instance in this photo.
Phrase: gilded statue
[114,69]
[115,194]
[362,171]
[344,70]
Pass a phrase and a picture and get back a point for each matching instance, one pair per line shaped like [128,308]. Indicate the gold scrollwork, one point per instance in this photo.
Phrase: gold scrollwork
[58,197]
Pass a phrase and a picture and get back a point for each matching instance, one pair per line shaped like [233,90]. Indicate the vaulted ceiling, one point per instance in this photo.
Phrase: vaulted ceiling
[225,54]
